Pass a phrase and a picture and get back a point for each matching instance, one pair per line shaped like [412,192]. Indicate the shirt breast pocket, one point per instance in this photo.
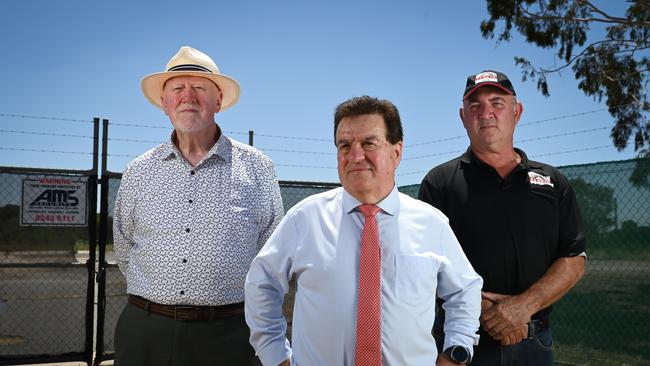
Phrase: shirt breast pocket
[416,278]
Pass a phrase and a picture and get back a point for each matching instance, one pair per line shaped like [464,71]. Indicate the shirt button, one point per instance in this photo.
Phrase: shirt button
[191,201]
[192,172]
[184,260]
[187,230]
[182,292]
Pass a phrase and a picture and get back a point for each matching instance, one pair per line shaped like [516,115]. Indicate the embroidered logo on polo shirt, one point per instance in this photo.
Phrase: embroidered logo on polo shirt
[542,180]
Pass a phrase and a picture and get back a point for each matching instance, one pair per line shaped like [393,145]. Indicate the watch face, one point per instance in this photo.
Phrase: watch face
[459,354]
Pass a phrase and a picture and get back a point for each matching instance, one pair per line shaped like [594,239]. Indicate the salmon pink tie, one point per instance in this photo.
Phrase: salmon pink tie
[368,343]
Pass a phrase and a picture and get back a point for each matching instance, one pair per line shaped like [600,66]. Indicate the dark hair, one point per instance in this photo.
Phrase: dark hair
[368,105]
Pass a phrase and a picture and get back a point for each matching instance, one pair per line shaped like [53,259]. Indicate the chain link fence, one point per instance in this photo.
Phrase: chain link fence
[600,322]
[603,321]
[44,286]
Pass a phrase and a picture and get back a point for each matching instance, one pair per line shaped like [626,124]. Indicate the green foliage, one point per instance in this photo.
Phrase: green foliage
[615,68]
[641,175]
[25,238]
[596,205]
[604,239]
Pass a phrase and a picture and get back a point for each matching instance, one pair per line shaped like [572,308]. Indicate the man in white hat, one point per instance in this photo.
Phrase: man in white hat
[190,216]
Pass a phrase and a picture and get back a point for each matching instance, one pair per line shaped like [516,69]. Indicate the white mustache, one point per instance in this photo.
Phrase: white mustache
[187,106]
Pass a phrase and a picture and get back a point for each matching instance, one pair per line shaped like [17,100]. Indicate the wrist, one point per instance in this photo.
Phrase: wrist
[458,354]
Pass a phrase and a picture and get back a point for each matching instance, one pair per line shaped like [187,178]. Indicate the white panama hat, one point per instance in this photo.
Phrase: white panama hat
[190,62]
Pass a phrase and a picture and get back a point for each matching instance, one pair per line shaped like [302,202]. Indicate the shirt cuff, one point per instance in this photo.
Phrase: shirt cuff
[274,353]
[460,339]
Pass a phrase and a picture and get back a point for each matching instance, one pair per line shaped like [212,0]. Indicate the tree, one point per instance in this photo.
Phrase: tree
[597,207]
[615,68]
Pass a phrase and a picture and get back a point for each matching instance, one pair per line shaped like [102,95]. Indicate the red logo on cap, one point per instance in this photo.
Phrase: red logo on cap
[485,76]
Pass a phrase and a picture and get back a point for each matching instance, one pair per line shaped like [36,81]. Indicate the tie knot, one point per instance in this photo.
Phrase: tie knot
[369,210]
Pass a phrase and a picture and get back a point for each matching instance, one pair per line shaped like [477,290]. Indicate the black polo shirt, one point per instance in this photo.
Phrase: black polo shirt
[511,229]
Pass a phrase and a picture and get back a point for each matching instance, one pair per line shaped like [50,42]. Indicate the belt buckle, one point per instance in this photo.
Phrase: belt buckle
[182,307]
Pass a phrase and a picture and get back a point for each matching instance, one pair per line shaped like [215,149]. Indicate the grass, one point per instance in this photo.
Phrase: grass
[83,245]
[603,321]
[579,355]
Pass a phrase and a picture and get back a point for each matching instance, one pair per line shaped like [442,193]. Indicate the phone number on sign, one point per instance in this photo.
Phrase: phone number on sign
[54,218]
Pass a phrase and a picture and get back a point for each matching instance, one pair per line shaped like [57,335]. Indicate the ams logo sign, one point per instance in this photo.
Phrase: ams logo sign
[56,198]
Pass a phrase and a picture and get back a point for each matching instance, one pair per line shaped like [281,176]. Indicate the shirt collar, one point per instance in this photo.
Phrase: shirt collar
[222,148]
[390,204]
[470,158]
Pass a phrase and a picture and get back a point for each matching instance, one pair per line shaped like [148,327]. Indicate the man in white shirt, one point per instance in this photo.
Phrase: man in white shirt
[319,241]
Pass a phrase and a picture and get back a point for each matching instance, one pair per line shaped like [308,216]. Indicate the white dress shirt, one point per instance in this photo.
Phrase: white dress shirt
[318,242]
[187,234]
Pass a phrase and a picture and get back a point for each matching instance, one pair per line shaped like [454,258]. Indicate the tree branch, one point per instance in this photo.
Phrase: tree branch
[643,4]
[607,16]
[567,64]
[625,77]
[534,16]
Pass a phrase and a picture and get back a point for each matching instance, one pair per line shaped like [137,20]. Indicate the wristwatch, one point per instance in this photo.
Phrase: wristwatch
[458,354]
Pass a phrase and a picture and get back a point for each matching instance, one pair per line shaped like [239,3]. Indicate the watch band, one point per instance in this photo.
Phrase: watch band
[458,354]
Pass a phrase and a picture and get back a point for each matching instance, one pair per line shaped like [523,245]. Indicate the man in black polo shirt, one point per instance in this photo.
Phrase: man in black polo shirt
[517,221]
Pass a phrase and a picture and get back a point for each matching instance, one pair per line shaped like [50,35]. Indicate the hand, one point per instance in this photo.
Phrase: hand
[515,337]
[508,339]
[486,304]
[506,320]
[285,363]
[444,360]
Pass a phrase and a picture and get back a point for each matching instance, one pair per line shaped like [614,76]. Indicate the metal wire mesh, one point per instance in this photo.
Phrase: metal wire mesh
[43,285]
[600,322]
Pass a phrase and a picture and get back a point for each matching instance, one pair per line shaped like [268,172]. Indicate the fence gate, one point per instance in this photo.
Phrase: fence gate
[47,286]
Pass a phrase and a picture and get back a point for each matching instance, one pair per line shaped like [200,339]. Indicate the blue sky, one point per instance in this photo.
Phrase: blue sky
[295,61]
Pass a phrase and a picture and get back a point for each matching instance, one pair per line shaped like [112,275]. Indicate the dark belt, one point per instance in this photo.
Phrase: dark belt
[188,312]
[538,325]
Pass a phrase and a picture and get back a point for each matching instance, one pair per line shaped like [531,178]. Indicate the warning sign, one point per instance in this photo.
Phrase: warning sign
[54,201]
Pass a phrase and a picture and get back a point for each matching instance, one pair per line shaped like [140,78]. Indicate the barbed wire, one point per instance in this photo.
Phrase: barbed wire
[433,154]
[532,156]
[518,141]
[45,151]
[295,137]
[563,134]
[25,116]
[45,133]
[561,117]
[305,166]
[297,151]
[520,125]
[290,138]
[123,155]
[140,125]
[136,140]
[572,151]
[144,125]
[436,141]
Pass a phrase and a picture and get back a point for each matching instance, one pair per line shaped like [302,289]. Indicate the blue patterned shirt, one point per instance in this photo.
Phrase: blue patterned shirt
[187,235]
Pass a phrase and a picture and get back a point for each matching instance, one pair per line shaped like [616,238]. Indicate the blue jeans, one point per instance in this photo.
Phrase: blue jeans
[534,351]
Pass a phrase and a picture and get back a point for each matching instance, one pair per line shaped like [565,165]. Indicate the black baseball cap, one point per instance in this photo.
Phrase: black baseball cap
[488,77]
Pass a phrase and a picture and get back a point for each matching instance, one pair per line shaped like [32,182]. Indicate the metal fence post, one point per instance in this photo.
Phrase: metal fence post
[103,230]
[250,137]
[92,245]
